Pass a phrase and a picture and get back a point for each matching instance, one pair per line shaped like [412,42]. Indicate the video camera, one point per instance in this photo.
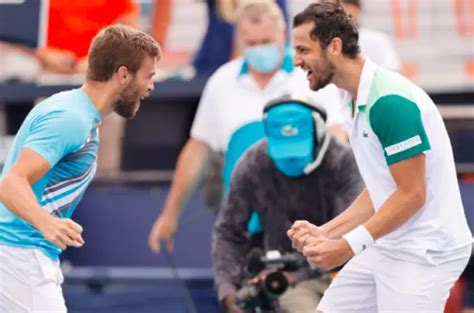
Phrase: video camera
[262,297]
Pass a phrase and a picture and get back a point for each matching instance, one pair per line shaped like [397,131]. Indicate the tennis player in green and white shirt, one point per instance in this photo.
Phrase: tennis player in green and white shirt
[406,234]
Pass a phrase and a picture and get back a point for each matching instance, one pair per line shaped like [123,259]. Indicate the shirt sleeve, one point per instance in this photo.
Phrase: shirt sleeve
[398,124]
[229,242]
[131,7]
[56,134]
[206,123]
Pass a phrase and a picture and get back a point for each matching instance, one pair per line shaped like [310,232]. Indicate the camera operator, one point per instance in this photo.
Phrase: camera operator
[298,172]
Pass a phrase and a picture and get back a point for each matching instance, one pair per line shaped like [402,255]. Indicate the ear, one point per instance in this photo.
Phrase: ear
[285,35]
[122,74]
[240,45]
[335,47]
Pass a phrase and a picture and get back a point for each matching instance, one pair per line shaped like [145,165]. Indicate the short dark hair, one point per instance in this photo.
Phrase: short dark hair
[116,46]
[330,21]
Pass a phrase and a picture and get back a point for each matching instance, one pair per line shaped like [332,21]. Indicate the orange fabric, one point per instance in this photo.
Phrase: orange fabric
[411,30]
[459,12]
[472,17]
[462,25]
[409,70]
[73,24]
[468,178]
[469,68]
[412,18]
[454,303]
[161,20]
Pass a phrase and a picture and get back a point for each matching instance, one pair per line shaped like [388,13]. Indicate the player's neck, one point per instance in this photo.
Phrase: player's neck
[348,74]
[101,95]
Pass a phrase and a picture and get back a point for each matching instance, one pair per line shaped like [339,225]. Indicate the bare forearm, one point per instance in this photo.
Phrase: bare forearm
[358,213]
[407,199]
[18,197]
[395,211]
[189,169]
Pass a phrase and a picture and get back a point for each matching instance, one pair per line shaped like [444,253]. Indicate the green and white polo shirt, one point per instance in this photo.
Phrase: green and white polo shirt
[395,120]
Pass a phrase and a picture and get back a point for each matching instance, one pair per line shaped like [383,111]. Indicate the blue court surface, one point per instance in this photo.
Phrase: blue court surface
[152,297]
[115,272]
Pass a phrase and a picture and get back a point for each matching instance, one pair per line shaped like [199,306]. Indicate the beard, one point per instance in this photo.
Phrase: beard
[325,79]
[126,109]
[128,103]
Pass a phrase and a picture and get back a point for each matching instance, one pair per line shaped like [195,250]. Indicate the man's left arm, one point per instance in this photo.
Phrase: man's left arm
[230,241]
[398,124]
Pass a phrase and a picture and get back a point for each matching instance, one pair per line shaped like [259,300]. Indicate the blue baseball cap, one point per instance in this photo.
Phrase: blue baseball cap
[290,131]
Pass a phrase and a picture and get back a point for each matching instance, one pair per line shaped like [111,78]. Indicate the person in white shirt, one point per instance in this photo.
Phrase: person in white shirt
[405,237]
[374,44]
[229,114]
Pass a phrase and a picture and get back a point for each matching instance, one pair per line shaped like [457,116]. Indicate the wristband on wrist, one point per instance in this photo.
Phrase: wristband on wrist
[359,239]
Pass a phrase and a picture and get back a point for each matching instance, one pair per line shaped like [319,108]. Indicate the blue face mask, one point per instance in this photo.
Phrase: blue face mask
[263,58]
[293,167]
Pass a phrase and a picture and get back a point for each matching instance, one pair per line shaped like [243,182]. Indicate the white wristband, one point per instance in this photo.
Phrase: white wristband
[359,239]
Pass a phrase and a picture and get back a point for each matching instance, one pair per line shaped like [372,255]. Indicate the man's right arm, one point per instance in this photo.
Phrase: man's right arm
[51,136]
[191,164]
[229,244]
[17,195]
[192,161]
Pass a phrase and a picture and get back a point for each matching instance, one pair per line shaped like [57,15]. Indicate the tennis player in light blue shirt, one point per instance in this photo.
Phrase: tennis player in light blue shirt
[63,130]
[52,161]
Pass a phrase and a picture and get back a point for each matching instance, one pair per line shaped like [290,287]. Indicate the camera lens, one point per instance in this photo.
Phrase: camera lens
[275,284]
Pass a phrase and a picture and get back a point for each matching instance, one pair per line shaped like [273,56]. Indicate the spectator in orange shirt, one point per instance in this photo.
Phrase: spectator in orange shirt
[73,24]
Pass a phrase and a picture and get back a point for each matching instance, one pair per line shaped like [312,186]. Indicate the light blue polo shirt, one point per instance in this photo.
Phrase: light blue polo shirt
[63,129]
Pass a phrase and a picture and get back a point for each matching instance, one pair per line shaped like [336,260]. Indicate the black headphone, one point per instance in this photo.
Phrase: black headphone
[320,117]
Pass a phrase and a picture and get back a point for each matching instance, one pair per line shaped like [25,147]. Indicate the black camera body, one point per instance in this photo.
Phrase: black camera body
[262,297]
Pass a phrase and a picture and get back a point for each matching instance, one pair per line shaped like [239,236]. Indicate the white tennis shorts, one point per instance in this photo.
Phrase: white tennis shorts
[30,282]
[372,282]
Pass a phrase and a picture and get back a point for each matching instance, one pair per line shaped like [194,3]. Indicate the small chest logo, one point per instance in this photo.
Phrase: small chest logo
[365,134]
